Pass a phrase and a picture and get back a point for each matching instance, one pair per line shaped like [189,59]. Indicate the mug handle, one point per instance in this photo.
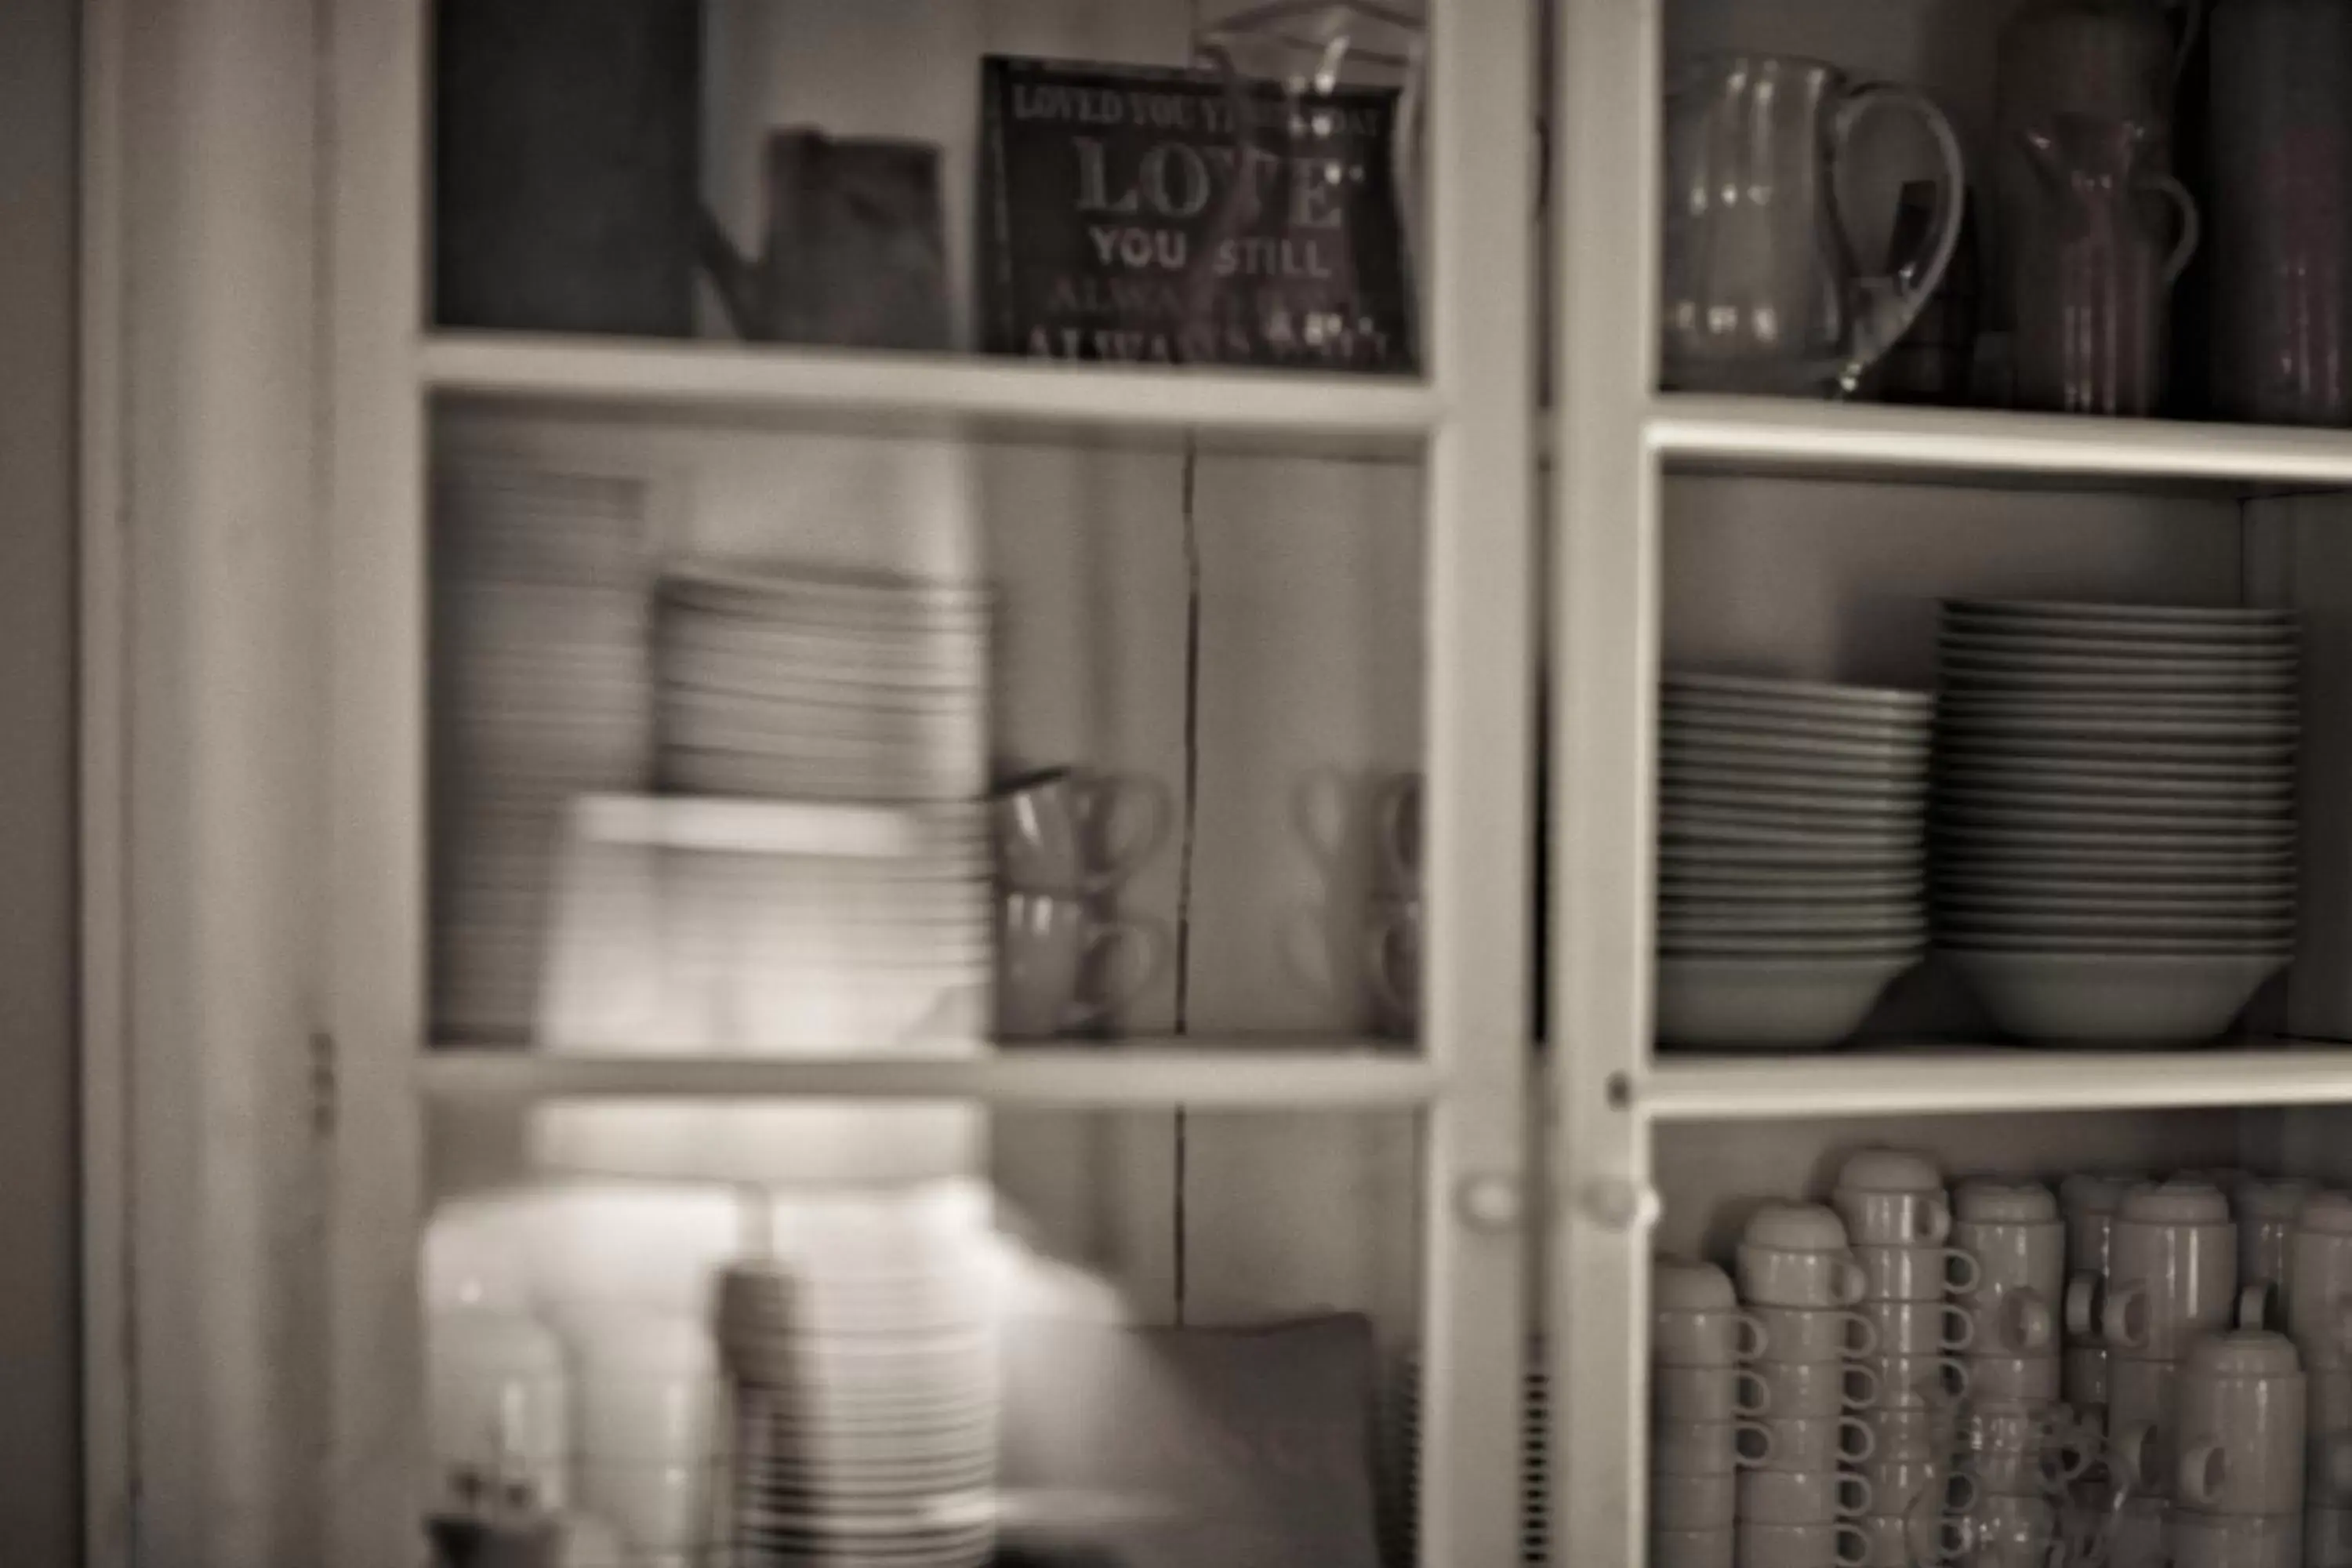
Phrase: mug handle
[1097,796]
[1742,1456]
[2083,1305]
[1850,1534]
[2131,1444]
[1852,1283]
[2031,1318]
[2191,229]
[2122,1316]
[1890,304]
[1960,1492]
[2203,1470]
[1399,809]
[1854,1493]
[1379,942]
[1859,1386]
[1943,1537]
[1957,1372]
[2253,1305]
[1755,1339]
[1862,1452]
[1760,1403]
[1963,1274]
[1957,1319]
[1147,936]
[1866,1342]
[1937,1216]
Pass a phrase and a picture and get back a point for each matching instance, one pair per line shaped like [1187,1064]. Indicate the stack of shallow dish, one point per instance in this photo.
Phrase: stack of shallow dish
[1791,871]
[2113,827]
[818,686]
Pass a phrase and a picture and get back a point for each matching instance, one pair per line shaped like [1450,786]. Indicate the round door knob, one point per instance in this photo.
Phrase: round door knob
[1614,1202]
[1491,1202]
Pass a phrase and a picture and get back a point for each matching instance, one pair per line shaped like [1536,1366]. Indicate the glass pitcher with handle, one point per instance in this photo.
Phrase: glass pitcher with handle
[1761,291]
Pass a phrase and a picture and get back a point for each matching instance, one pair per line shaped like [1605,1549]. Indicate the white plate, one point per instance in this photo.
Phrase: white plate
[2056,660]
[2104,638]
[2114,619]
[2031,776]
[1701,828]
[2108,999]
[2281,707]
[2105,932]
[1793,806]
[1966,682]
[1955,841]
[2109,897]
[1794,944]
[1803,784]
[1718,890]
[1724,713]
[1709,856]
[1999,816]
[1987,733]
[1734,746]
[2204,806]
[1765,1004]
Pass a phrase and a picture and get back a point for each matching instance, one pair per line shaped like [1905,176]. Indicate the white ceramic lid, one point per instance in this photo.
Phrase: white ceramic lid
[1684,1285]
[2327,1211]
[1890,1171]
[1796,1227]
[2089,1193]
[2176,1202]
[2261,1197]
[1981,1201]
[2247,1352]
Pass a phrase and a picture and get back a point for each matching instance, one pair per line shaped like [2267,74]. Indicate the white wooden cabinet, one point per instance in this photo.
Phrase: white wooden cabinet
[273,1124]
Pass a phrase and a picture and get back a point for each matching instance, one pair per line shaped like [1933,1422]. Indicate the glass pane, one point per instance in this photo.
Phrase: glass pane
[1143,181]
[795,742]
[862,1335]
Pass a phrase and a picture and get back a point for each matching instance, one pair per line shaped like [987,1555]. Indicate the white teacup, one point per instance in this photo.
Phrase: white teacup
[2175,1270]
[1054,829]
[1920,1484]
[2013,1531]
[1795,1255]
[1695,1319]
[2142,1417]
[2266,1213]
[1892,1197]
[1820,1442]
[1799,1388]
[1694,1502]
[2014,1233]
[2236,1540]
[1916,1328]
[1816,1333]
[2089,1202]
[1046,947]
[1708,1448]
[1708,1394]
[2012,1319]
[1692,1548]
[1803,1497]
[2241,1419]
[1928,1380]
[1802,1545]
[1914,1273]
[2019,1378]
[1908,1541]
[1911,1432]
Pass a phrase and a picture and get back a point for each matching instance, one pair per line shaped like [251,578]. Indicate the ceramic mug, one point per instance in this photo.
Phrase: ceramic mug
[2013,1231]
[1913,1539]
[2142,1413]
[2021,1378]
[1802,1545]
[1803,1497]
[1047,945]
[1914,1273]
[1795,1255]
[2236,1540]
[2240,1402]
[2089,1202]
[1816,1333]
[1694,1502]
[1820,1442]
[1892,1197]
[2011,1319]
[1799,1388]
[1911,1432]
[2024,1451]
[1921,1485]
[1708,1448]
[1916,1327]
[2175,1270]
[1692,1548]
[1917,1380]
[1713,1338]
[1050,828]
[1707,1392]
[2266,1212]
[2011,1531]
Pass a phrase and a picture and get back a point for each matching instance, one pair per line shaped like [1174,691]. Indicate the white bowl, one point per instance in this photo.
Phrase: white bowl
[1718,1004]
[2113,999]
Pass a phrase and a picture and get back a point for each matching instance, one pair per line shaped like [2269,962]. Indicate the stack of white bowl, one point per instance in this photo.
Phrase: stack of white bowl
[1894,1210]
[2113,830]
[2019,1443]
[1790,861]
[1802,1504]
[1703,1398]
[2319,1280]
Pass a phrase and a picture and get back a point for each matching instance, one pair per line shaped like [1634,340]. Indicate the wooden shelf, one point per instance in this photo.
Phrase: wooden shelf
[1279,408]
[1765,434]
[1993,1079]
[1233,1075]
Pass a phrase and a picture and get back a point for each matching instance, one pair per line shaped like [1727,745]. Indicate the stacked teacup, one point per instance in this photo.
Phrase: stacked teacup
[2172,1278]
[1895,1212]
[2090,1203]
[1798,1509]
[2238,1474]
[1703,1395]
[2320,1317]
[2017,1438]
[2266,1212]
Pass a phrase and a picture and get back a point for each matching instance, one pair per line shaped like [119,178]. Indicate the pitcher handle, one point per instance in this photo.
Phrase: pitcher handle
[2192,228]
[1889,305]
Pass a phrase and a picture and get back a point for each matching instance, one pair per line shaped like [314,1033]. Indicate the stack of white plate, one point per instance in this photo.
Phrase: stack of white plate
[813,685]
[2115,827]
[1791,872]
[867,1391]
[539,694]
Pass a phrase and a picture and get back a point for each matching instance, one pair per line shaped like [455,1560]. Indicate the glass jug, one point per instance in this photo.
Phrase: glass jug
[1761,292]
[2094,262]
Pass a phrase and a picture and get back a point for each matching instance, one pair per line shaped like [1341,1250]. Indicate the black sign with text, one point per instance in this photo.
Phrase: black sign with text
[1183,217]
